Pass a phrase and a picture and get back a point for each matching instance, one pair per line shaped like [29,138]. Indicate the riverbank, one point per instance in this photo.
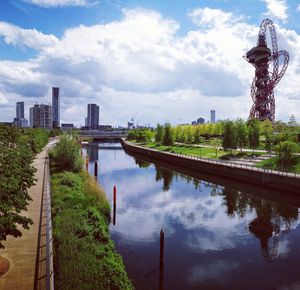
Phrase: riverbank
[267,178]
[84,254]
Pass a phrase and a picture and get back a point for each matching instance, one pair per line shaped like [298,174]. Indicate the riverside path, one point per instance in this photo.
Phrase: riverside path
[27,254]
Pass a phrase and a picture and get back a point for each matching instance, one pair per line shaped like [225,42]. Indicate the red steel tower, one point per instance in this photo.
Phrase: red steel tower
[264,82]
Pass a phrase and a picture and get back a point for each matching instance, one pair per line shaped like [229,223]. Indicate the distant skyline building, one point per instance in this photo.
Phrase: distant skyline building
[31,117]
[56,107]
[19,121]
[92,120]
[200,121]
[212,116]
[20,110]
[41,116]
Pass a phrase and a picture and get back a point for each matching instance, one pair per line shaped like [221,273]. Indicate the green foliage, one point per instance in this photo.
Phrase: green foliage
[66,155]
[17,150]
[229,140]
[168,139]
[84,254]
[266,127]
[140,135]
[253,133]
[197,136]
[241,133]
[275,163]
[286,150]
[56,132]
[159,134]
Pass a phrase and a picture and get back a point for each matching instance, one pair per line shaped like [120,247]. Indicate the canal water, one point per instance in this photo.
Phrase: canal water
[219,234]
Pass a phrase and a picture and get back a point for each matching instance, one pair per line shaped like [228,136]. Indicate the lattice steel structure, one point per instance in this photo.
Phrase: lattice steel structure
[264,82]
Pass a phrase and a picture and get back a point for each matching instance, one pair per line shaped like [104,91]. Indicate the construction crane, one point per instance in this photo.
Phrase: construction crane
[264,82]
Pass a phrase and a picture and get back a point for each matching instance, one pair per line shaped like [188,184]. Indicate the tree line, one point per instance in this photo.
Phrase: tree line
[280,137]
[17,150]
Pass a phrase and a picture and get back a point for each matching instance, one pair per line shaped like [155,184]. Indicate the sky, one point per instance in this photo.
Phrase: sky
[154,61]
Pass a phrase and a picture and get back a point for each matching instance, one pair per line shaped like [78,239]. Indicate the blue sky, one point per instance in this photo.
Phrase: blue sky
[156,60]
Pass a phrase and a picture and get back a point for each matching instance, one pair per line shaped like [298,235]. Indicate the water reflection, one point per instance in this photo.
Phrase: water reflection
[213,228]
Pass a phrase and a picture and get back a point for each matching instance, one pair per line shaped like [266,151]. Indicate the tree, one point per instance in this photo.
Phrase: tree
[197,137]
[270,139]
[253,133]
[229,135]
[242,133]
[285,150]
[188,133]
[168,139]
[16,176]
[159,134]
[266,127]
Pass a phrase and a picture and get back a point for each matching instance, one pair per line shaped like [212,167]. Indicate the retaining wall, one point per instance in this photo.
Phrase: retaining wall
[281,181]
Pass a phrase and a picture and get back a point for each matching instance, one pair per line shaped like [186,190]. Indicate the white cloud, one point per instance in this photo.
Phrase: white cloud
[277,9]
[140,64]
[3,99]
[298,8]
[32,38]
[60,3]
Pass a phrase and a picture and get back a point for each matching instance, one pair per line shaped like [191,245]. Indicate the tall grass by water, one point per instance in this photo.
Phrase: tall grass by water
[84,254]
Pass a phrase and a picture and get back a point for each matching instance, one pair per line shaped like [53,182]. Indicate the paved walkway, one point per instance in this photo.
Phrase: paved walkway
[22,252]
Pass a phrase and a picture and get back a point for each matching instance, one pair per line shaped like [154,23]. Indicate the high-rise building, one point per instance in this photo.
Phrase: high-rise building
[31,117]
[92,121]
[56,107]
[19,121]
[41,116]
[20,110]
[200,121]
[46,117]
[212,116]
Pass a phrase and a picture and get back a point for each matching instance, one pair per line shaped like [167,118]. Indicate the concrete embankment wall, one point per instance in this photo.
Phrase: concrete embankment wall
[267,178]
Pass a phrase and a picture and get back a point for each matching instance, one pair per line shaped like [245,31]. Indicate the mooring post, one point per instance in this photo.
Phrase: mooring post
[87,163]
[161,251]
[114,205]
[96,169]
[115,195]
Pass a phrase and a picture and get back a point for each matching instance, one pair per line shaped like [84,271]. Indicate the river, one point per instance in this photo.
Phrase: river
[219,234]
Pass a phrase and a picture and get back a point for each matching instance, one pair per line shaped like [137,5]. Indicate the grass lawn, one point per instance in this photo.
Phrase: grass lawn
[189,150]
[201,151]
[272,163]
[84,254]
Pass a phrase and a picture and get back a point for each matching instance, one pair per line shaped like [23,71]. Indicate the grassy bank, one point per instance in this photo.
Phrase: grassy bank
[273,163]
[207,152]
[84,254]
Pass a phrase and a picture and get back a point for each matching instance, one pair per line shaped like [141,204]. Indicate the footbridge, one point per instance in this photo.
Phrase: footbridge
[98,135]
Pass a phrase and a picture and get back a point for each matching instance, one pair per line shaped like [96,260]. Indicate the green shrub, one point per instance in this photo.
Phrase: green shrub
[66,155]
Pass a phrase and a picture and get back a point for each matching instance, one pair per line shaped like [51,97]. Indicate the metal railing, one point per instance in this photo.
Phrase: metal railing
[44,275]
[226,163]
[49,246]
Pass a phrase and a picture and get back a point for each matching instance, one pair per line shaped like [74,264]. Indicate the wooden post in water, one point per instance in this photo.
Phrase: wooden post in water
[114,205]
[96,169]
[87,163]
[161,250]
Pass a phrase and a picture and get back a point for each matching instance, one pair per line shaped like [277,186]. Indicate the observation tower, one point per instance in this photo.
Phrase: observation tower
[264,82]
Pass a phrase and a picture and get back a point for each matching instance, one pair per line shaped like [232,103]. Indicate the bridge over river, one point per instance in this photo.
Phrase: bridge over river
[98,135]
